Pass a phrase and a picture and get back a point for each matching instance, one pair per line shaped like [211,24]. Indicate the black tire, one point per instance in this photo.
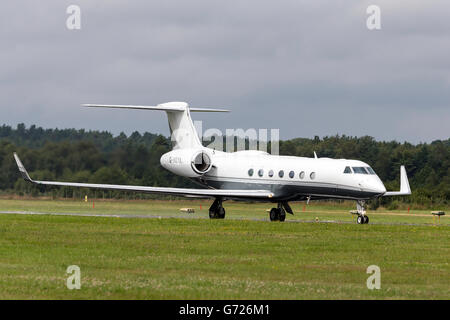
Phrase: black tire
[366,219]
[273,215]
[212,214]
[281,215]
[360,220]
[221,213]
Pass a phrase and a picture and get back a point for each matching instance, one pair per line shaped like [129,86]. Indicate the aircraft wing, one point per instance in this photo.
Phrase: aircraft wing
[207,193]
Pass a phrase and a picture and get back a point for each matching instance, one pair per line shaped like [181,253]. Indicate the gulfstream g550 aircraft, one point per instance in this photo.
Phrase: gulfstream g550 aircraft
[251,175]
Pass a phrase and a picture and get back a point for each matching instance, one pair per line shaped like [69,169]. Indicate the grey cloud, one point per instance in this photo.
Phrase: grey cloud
[308,68]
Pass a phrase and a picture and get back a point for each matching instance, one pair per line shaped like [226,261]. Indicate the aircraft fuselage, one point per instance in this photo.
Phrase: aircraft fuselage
[288,178]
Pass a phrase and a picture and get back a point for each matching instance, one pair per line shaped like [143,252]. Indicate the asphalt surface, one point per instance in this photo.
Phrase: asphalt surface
[196,217]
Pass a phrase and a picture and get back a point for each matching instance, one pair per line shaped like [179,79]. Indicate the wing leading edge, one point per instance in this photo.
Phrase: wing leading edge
[208,193]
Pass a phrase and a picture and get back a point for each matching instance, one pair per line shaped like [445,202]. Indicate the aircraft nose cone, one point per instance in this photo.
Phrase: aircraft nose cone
[374,184]
[379,187]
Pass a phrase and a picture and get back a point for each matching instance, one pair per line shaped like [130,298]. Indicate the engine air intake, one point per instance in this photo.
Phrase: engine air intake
[201,163]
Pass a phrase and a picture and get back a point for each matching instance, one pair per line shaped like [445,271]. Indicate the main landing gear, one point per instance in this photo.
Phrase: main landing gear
[279,213]
[217,211]
[361,212]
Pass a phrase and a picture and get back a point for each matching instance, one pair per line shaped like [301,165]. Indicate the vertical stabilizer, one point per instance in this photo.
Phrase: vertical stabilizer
[182,130]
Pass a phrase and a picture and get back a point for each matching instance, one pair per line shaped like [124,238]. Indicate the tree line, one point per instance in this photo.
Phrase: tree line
[100,157]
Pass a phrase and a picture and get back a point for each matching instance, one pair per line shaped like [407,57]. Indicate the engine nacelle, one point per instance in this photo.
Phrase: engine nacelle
[187,162]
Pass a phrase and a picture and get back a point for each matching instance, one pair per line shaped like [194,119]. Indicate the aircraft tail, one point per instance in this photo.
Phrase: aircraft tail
[182,130]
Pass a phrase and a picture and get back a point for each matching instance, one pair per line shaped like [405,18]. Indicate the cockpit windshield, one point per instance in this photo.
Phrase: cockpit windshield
[370,170]
[360,170]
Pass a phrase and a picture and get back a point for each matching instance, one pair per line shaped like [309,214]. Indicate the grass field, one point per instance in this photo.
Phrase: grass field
[240,257]
[234,210]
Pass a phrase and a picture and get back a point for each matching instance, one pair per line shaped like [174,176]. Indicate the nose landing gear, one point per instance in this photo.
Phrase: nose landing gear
[361,212]
[362,219]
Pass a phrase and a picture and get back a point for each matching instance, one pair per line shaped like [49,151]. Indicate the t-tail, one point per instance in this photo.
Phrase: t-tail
[182,130]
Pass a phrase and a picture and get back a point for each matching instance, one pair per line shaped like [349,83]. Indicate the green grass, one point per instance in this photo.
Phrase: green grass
[126,258]
[234,210]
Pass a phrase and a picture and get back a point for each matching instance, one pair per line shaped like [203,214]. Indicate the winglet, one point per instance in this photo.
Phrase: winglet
[404,183]
[22,169]
[405,189]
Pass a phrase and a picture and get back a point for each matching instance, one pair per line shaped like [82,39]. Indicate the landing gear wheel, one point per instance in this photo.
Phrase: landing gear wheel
[281,214]
[212,214]
[217,211]
[277,214]
[221,213]
[273,215]
[361,212]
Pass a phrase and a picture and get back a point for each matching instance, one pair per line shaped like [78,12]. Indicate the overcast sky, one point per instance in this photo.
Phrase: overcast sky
[305,67]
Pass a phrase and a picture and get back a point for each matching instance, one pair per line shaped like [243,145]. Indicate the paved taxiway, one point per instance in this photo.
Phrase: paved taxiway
[195,217]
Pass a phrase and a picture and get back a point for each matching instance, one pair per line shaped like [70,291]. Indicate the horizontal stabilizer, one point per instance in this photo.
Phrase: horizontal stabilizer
[405,189]
[169,107]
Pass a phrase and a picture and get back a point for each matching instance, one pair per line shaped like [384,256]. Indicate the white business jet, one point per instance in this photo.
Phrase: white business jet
[251,175]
